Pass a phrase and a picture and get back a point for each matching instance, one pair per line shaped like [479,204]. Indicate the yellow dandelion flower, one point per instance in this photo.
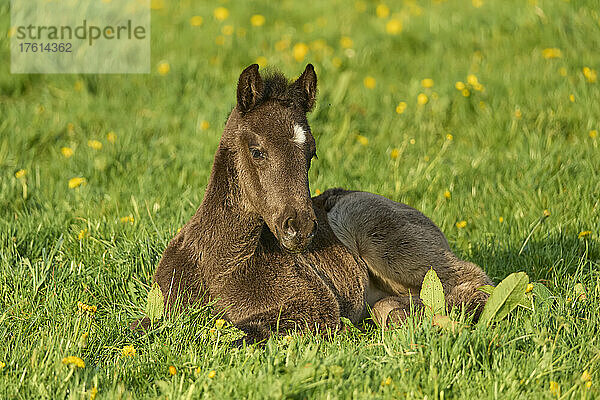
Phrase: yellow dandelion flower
[588,384]
[401,107]
[257,20]
[204,125]
[382,11]
[472,80]
[157,4]
[393,26]
[74,361]
[299,51]
[196,20]
[20,174]
[386,382]
[518,114]
[127,218]
[584,234]
[478,87]
[585,376]
[164,68]
[66,151]
[449,137]
[551,53]
[460,85]
[546,213]
[227,30]
[336,61]
[2,365]
[394,154]
[554,388]
[501,219]
[427,83]
[111,137]
[362,140]
[128,351]
[529,288]
[593,133]
[465,92]
[562,71]
[412,141]
[346,42]
[220,40]
[477,3]
[261,61]
[317,192]
[461,224]
[82,234]
[76,182]
[212,374]
[95,144]
[447,194]
[422,99]
[369,82]
[221,13]
[172,370]
[572,98]
[93,393]
[220,323]
[590,74]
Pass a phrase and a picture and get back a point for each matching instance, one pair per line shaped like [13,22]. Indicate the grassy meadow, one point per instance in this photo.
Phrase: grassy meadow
[482,114]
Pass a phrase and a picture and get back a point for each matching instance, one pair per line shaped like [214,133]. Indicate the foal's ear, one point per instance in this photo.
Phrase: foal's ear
[307,86]
[250,89]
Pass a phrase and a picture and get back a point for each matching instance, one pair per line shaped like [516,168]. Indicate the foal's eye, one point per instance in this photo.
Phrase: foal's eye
[257,154]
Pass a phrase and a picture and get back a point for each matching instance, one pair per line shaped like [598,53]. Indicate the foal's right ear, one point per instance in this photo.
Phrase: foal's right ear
[250,89]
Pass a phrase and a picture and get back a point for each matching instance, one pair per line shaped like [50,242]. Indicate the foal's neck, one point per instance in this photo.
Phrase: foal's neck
[230,232]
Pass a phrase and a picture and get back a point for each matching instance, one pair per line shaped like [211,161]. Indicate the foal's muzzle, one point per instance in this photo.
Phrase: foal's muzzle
[297,230]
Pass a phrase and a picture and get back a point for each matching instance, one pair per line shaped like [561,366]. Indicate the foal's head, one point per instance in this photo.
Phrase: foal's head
[271,144]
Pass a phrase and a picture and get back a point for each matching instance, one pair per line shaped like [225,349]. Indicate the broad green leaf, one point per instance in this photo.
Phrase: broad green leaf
[541,292]
[155,303]
[486,289]
[432,295]
[506,296]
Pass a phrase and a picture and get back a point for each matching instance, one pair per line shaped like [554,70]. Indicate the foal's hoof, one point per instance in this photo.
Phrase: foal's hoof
[391,311]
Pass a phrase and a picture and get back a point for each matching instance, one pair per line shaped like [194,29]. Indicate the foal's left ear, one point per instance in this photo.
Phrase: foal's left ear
[307,87]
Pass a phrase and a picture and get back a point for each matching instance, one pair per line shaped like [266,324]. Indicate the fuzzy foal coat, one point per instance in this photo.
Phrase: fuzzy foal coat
[227,253]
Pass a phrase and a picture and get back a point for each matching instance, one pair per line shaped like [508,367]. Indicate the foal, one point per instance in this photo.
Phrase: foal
[258,244]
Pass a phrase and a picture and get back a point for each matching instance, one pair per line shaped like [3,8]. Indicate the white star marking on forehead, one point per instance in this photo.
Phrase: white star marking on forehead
[299,134]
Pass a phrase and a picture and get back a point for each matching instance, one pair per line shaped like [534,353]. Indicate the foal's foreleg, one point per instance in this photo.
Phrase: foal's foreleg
[296,314]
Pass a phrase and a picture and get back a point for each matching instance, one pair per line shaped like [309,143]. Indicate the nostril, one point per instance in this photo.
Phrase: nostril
[288,227]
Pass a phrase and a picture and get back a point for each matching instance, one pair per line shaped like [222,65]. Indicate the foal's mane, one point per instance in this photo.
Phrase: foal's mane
[279,89]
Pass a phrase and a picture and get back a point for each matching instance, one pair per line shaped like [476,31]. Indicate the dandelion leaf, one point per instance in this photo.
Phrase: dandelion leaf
[432,295]
[155,303]
[506,296]
[489,289]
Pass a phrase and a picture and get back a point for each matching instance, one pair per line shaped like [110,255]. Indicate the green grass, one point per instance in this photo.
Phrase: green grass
[496,165]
